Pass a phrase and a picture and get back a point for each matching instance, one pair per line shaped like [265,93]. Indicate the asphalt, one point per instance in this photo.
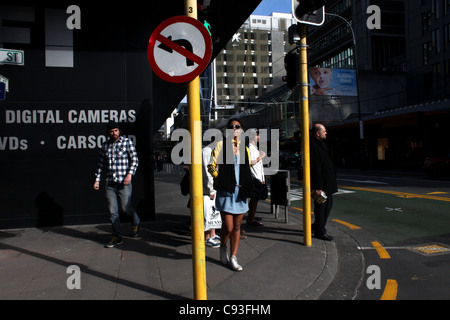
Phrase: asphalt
[36,264]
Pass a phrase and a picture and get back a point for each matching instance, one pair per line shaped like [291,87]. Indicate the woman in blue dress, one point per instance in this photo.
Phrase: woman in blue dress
[230,168]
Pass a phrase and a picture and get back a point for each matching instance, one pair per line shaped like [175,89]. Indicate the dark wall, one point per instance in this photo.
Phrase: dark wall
[54,118]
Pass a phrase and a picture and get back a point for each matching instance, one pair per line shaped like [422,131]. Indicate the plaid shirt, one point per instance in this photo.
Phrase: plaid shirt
[116,160]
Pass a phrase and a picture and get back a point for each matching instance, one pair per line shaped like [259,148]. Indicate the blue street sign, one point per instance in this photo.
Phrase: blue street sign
[2,90]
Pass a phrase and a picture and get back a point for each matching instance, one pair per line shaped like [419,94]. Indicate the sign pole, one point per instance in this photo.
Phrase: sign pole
[304,109]
[196,178]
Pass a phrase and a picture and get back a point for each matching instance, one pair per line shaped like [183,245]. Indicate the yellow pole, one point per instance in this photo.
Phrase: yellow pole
[196,178]
[305,137]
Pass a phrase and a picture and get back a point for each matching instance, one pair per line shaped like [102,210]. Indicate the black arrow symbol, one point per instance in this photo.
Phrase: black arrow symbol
[182,42]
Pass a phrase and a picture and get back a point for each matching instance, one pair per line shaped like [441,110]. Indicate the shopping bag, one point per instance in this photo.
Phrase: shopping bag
[212,216]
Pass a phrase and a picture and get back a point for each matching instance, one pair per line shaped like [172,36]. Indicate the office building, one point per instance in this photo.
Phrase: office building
[252,63]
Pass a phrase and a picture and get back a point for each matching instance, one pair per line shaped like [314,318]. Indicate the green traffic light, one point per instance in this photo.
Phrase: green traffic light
[207,26]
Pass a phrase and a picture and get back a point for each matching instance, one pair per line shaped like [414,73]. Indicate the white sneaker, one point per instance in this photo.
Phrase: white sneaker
[234,264]
[211,243]
[224,255]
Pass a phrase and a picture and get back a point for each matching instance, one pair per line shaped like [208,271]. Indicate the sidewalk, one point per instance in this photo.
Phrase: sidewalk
[158,265]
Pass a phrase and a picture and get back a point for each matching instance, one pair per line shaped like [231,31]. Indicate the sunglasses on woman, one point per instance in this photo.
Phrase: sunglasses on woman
[236,126]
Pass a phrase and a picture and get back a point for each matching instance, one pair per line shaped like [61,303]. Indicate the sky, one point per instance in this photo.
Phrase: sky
[266,7]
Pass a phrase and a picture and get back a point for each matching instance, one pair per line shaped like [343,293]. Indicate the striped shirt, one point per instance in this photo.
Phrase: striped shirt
[116,160]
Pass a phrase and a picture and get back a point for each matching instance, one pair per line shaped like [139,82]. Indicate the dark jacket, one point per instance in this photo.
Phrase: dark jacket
[323,175]
[224,173]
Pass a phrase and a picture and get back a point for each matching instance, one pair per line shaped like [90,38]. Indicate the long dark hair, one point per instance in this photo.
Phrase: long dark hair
[230,121]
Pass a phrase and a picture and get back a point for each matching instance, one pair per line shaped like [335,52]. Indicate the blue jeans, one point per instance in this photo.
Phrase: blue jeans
[117,195]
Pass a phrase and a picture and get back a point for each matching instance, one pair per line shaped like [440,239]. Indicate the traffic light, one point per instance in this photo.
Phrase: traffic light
[309,11]
[291,64]
[209,14]
[293,34]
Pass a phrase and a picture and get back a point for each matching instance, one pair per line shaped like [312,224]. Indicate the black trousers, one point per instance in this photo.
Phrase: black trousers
[321,213]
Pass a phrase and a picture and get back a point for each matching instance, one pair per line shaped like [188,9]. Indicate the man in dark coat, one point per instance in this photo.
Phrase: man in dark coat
[323,179]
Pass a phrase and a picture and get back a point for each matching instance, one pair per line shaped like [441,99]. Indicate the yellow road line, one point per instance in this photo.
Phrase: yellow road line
[397,193]
[351,226]
[381,251]
[390,291]
[300,209]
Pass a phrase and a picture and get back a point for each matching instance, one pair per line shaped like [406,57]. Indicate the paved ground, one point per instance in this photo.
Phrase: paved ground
[158,266]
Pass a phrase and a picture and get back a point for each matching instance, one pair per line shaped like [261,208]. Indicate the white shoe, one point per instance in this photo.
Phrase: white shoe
[224,255]
[212,243]
[234,264]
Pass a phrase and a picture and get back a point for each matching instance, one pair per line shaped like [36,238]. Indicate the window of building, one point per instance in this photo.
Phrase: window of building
[446,72]
[436,75]
[427,50]
[435,8]
[343,60]
[383,145]
[426,21]
[428,82]
[447,36]
[436,40]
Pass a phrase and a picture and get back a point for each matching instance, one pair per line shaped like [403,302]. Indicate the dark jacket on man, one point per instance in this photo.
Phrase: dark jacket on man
[323,175]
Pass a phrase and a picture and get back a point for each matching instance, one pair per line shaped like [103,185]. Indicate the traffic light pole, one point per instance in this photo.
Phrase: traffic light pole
[196,178]
[304,111]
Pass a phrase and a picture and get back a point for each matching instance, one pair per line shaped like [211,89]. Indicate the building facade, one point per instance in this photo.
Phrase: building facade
[400,53]
[403,81]
[252,63]
[428,50]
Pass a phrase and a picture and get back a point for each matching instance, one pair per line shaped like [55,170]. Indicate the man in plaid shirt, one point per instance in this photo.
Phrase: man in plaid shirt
[117,164]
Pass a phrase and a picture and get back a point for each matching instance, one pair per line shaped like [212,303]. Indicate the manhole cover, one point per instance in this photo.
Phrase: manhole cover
[431,249]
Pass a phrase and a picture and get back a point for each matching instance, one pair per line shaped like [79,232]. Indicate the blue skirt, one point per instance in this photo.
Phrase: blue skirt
[231,202]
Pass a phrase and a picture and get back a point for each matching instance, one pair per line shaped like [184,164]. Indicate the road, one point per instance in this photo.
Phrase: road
[400,224]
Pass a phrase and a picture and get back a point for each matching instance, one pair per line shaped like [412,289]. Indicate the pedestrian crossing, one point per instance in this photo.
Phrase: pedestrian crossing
[296,194]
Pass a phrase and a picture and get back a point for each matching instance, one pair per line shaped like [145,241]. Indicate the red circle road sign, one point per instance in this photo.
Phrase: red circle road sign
[179,49]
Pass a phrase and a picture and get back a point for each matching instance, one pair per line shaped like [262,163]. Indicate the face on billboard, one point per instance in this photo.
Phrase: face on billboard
[332,82]
[322,76]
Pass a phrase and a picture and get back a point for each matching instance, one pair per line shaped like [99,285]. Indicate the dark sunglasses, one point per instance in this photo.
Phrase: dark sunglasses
[236,126]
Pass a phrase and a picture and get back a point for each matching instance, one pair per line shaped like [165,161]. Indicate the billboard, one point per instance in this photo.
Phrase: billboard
[332,82]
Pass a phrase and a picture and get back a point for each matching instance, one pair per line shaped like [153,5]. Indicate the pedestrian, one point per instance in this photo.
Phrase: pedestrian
[259,181]
[117,165]
[159,163]
[233,183]
[212,216]
[323,181]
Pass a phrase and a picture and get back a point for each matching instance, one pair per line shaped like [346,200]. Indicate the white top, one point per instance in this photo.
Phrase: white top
[256,169]
[208,180]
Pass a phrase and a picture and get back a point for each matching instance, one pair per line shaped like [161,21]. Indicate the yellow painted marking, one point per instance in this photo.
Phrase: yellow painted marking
[300,209]
[432,249]
[400,194]
[381,251]
[351,226]
[390,291]
[438,192]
